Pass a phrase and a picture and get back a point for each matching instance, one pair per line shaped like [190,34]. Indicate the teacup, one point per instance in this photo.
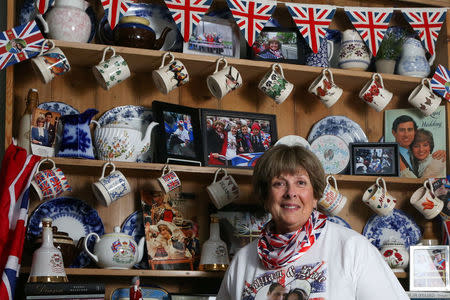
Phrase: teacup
[378,198]
[332,201]
[275,85]
[426,201]
[170,76]
[169,180]
[51,63]
[224,191]
[325,88]
[111,187]
[423,98]
[224,81]
[374,93]
[111,71]
[50,183]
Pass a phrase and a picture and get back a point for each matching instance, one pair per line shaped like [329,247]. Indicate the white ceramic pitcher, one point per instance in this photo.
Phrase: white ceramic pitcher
[413,61]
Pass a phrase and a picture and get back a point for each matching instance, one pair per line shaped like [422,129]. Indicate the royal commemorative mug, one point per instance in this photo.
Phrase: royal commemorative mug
[375,94]
[223,191]
[332,200]
[50,63]
[275,85]
[426,201]
[224,81]
[170,76]
[50,183]
[378,198]
[169,180]
[111,71]
[423,98]
[111,187]
[325,88]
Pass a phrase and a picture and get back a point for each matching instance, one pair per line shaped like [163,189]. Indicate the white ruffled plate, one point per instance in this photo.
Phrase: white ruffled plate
[333,153]
[293,140]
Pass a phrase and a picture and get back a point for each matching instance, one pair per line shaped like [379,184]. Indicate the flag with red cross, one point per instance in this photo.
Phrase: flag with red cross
[116,9]
[440,83]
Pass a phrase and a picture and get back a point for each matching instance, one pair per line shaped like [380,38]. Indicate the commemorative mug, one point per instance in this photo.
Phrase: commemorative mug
[171,75]
[325,88]
[275,85]
[169,180]
[50,63]
[50,183]
[111,71]
[223,191]
[111,187]
[423,98]
[426,201]
[224,81]
[375,94]
[378,198]
[332,200]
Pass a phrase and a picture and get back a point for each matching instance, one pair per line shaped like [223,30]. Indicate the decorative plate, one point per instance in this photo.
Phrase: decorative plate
[332,152]
[340,126]
[153,293]
[59,107]
[70,215]
[339,220]
[293,140]
[398,225]
[133,226]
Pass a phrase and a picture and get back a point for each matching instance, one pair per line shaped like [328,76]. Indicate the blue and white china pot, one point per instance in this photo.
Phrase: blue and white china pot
[413,61]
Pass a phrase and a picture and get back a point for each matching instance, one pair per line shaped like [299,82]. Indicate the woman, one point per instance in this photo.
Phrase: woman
[167,244]
[217,139]
[300,244]
[39,135]
[273,51]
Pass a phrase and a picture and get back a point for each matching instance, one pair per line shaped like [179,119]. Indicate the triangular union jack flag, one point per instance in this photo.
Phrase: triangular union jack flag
[440,83]
[20,43]
[115,9]
[312,21]
[43,5]
[251,16]
[371,24]
[427,22]
[187,14]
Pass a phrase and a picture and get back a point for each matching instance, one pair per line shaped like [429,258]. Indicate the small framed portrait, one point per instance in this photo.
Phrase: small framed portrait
[428,268]
[236,139]
[44,124]
[376,159]
[179,140]
[277,44]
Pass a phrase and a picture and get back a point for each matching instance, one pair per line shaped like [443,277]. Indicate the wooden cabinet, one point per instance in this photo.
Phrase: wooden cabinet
[295,116]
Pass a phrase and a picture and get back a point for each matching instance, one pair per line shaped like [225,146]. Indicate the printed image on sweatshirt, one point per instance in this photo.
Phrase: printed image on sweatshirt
[299,282]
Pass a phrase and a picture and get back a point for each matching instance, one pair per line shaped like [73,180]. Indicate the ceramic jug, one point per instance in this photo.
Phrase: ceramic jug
[413,61]
[395,255]
[353,54]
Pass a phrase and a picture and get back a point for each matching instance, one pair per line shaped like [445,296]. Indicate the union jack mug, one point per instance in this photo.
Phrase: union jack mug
[50,183]
[169,179]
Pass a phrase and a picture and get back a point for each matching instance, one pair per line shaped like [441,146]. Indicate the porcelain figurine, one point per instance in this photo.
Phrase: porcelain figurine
[395,254]
[353,54]
[413,61]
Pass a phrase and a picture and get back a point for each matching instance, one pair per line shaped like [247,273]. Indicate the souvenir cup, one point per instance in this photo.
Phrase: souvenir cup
[224,81]
[324,88]
[169,77]
[426,201]
[378,199]
[332,201]
[111,71]
[169,180]
[50,183]
[375,94]
[275,85]
[424,99]
[223,191]
[111,187]
[51,63]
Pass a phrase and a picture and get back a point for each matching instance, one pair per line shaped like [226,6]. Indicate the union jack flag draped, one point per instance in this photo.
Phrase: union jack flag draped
[187,14]
[251,16]
[371,24]
[440,83]
[20,43]
[427,23]
[312,21]
[115,9]
[43,5]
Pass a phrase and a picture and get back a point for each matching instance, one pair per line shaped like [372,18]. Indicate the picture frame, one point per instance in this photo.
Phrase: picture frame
[289,49]
[428,268]
[248,145]
[43,139]
[374,159]
[178,145]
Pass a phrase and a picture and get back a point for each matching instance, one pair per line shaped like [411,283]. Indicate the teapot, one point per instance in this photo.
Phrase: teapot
[413,61]
[115,250]
[121,142]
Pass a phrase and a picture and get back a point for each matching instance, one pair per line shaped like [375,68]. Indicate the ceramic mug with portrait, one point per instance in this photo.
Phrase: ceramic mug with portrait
[171,75]
[223,81]
[375,94]
[50,63]
[378,198]
[274,85]
[426,201]
[423,98]
[325,88]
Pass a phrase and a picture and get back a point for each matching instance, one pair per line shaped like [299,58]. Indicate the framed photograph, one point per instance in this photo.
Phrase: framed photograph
[44,124]
[428,268]
[377,159]
[179,140]
[236,139]
[277,44]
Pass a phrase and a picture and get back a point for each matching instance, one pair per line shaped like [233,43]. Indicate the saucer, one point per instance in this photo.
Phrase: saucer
[333,153]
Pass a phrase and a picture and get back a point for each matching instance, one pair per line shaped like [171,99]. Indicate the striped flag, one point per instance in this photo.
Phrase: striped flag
[115,9]
[440,83]
[17,171]
[43,5]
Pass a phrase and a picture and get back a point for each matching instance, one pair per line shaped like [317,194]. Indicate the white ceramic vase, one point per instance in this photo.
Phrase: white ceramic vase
[413,61]
[353,54]
[395,254]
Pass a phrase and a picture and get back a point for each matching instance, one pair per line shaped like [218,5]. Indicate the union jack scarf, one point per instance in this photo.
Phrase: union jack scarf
[279,250]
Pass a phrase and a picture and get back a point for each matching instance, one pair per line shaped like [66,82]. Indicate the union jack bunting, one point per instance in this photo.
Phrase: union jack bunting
[312,21]
[187,14]
[440,83]
[43,5]
[115,9]
[371,24]
[251,16]
[427,23]
[20,43]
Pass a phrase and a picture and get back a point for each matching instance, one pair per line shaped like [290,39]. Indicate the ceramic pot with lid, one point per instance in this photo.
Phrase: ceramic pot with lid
[395,254]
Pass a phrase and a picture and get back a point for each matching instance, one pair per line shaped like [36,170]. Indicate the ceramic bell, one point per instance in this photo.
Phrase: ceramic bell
[214,251]
[395,254]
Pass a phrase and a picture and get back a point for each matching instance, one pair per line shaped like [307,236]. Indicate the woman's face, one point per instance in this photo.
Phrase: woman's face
[233,130]
[165,233]
[219,127]
[291,201]
[41,124]
[273,45]
[421,150]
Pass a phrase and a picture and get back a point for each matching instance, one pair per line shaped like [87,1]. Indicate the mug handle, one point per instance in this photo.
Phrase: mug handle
[41,19]
[44,43]
[279,67]
[218,63]
[44,160]
[380,79]
[217,173]
[164,58]
[430,188]
[325,71]
[166,170]
[104,168]
[334,181]
[384,183]
[96,123]
[330,50]
[426,83]
[106,51]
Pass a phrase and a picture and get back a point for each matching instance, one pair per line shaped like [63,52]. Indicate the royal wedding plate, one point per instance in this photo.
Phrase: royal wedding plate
[339,220]
[293,140]
[340,126]
[333,153]
[134,226]
[70,215]
[397,225]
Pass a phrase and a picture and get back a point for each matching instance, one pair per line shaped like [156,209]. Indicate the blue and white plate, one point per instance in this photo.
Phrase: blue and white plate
[398,225]
[340,126]
[70,215]
[339,220]
[134,226]
[154,293]
[59,107]
[333,153]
